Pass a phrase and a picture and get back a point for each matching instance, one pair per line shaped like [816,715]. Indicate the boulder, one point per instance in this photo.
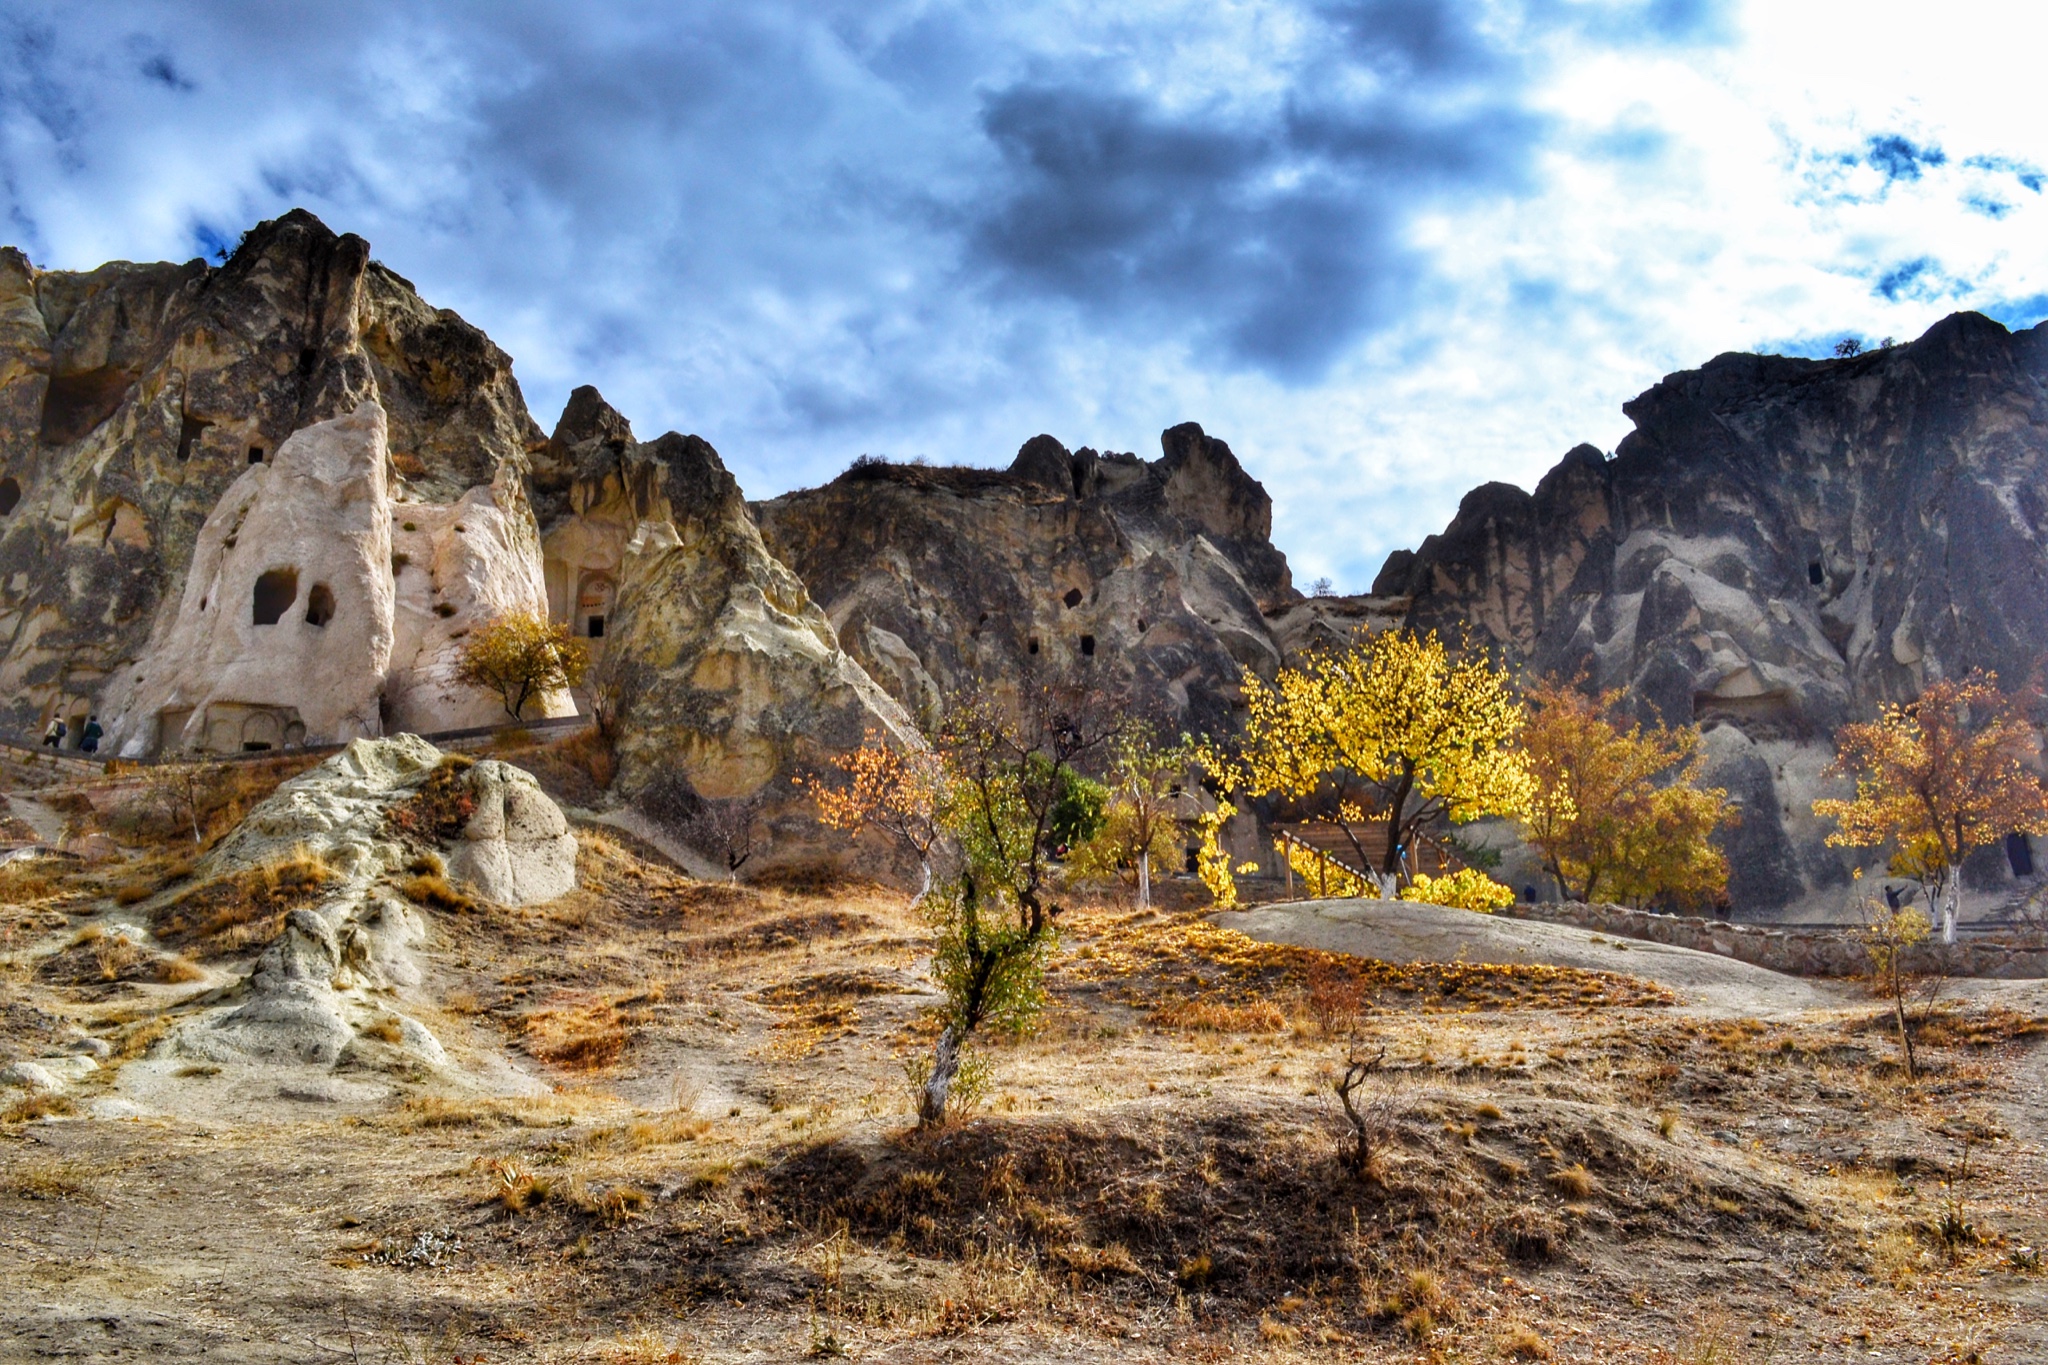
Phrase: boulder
[330,974]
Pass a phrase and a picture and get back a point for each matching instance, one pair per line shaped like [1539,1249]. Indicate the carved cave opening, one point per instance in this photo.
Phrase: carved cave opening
[74,404]
[255,454]
[594,628]
[190,429]
[319,605]
[1073,598]
[10,494]
[1087,646]
[276,590]
[2019,855]
[1815,574]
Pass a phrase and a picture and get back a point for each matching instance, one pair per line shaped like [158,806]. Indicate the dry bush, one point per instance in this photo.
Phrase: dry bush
[1520,1341]
[1573,1182]
[45,1180]
[1216,1016]
[435,891]
[440,808]
[576,769]
[813,877]
[47,1104]
[645,1348]
[24,881]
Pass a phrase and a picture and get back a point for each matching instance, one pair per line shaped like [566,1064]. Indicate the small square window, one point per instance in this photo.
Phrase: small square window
[596,631]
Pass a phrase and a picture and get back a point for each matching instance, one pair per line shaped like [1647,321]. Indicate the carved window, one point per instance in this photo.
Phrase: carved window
[596,630]
[1034,644]
[1087,646]
[10,494]
[1073,597]
[1814,574]
[319,605]
[255,454]
[276,590]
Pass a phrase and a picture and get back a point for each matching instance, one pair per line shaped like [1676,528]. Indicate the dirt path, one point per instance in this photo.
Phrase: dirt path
[1408,931]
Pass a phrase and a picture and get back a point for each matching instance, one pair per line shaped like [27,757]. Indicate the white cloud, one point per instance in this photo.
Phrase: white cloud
[781,225]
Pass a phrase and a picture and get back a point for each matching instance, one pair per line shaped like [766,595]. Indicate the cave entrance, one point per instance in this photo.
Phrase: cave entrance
[10,494]
[2019,855]
[276,590]
[319,605]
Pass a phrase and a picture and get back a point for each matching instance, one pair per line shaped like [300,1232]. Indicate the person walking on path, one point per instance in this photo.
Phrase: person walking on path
[53,738]
[89,737]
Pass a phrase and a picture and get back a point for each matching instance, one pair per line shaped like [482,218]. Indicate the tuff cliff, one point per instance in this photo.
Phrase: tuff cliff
[132,397]
[1155,576]
[1781,545]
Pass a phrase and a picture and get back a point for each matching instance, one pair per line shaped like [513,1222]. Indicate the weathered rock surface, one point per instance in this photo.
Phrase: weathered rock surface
[729,675]
[300,621]
[1780,546]
[133,397]
[1155,576]
[346,956]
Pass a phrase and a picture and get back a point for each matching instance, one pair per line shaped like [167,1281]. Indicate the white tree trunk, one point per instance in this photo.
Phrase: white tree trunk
[1389,884]
[931,1108]
[924,883]
[1145,881]
[1952,907]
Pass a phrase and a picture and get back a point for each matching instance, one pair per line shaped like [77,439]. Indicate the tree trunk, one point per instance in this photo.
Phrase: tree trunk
[931,1108]
[1144,880]
[1952,908]
[924,882]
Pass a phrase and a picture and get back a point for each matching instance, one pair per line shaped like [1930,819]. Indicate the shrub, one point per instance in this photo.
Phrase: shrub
[435,891]
[1466,889]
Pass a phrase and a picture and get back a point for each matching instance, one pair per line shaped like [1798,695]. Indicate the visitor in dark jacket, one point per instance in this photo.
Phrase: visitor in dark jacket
[89,737]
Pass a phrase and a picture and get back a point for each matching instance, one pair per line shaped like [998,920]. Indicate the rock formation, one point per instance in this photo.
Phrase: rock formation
[1780,546]
[1154,576]
[316,608]
[727,674]
[133,397]
[343,959]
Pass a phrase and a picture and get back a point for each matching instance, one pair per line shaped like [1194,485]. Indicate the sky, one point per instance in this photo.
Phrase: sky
[1388,249]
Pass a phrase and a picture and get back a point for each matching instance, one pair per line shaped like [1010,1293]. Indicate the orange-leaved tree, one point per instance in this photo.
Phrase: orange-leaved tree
[1618,808]
[520,655]
[895,791]
[1400,729]
[1940,777]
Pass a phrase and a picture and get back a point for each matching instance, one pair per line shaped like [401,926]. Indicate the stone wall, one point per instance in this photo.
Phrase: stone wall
[1816,950]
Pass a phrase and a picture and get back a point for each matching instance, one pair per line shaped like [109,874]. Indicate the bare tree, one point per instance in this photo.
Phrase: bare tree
[1369,1107]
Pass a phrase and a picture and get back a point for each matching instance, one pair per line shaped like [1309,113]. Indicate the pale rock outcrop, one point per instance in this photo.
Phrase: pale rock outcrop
[342,959]
[318,609]
[284,630]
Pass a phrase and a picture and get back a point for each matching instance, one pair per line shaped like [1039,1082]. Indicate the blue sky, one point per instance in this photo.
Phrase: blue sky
[1387,248]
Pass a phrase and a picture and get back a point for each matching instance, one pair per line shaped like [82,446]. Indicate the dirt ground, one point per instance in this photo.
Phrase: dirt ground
[675,1126]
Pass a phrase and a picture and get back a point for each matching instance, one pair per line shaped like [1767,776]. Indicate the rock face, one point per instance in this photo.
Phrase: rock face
[134,397]
[728,674]
[1155,576]
[299,621]
[341,959]
[1780,546]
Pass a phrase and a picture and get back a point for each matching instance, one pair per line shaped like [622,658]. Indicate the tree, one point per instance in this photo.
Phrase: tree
[995,925]
[1394,730]
[1939,778]
[895,791]
[1848,347]
[519,655]
[1620,810]
[1143,819]
[729,831]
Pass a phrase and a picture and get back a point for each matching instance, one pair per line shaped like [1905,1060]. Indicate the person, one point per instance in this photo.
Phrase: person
[89,737]
[53,738]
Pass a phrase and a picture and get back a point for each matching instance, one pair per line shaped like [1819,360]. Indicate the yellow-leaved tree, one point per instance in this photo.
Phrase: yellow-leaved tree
[1397,730]
[520,655]
[1940,777]
[1619,811]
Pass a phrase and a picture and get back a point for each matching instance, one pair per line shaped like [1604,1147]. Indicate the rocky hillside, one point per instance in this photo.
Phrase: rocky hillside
[1155,576]
[1780,546]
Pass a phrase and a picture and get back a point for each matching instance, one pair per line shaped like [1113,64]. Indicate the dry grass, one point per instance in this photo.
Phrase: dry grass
[40,1106]
[433,890]
[577,1035]
[1215,1016]
[245,909]
[1520,1341]
[1573,1182]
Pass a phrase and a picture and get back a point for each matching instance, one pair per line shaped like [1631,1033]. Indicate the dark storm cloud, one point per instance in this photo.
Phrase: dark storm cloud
[1274,231]
[813,217]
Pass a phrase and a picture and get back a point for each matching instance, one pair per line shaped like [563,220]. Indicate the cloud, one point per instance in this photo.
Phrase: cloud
[1388,248]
